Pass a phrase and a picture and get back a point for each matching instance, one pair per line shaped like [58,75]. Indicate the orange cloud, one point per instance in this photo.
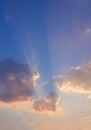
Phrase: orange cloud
[47,104]
[76,80]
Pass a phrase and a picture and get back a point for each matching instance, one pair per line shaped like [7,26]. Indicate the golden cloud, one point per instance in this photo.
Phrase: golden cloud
[78,79]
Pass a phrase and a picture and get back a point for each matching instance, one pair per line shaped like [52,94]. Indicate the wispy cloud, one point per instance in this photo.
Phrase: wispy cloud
[88,30]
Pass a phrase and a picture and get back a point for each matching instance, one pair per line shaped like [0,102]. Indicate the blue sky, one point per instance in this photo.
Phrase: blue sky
[31,25]
[24,29]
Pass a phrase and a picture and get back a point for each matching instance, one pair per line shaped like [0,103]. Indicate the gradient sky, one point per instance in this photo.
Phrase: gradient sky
[45,65]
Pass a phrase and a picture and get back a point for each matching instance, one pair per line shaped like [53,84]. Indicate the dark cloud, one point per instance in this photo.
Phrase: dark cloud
[17,81]
[47,104]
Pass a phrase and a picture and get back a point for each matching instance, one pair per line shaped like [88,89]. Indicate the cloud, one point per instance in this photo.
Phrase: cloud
[88,30]
[47,104]
[17,81]
[76,80]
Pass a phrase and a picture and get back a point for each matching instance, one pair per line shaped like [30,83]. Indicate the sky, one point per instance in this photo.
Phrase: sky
[45,64]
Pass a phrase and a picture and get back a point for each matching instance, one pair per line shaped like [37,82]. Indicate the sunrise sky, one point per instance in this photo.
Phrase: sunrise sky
[45,65]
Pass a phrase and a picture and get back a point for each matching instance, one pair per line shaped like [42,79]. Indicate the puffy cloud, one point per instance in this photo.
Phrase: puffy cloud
[17,81]
[76,80]
[47,104]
